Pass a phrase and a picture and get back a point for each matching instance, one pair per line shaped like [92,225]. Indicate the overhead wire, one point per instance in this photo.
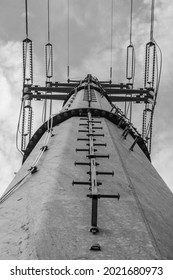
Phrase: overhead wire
[152,21]
[131,13]
[48,19]
[26,17]
[68,40]
[111,45]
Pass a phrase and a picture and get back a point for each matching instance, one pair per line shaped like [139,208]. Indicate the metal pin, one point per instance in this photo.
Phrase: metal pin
[104,173]
[81,183]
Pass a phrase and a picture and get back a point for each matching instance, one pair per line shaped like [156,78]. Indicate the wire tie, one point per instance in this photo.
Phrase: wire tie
[33,169]
[44,148]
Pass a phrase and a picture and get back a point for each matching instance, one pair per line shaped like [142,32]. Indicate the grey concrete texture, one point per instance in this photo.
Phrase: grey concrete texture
[47,217]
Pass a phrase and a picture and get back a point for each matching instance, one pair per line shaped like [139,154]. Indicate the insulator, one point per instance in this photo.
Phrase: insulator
[23,140]
[44,112]
[49,60]
[151,131]
[130,62]
[144,122]
[27,61]
[26,124]
[150,63]
[30,118]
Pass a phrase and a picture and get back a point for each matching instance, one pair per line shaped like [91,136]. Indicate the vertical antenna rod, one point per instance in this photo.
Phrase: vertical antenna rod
[48,21]
[131,12]
[152,21]
[26,16]
[112,16]
[68,40]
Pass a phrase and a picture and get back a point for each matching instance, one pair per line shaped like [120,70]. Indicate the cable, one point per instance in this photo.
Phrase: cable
[111,47]
[159,70]
[152,21]
[18,128]
[131,13]
[68,40]
[30,171]
[26,14]
[12,189]
[48,21]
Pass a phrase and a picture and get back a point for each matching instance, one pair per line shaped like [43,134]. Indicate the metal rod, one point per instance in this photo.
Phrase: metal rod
[131,12]
[48,22]
[152,21]
[26,15]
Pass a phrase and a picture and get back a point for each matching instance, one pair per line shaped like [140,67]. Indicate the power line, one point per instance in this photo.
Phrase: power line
[48,21]
[68,39]
[112,16]
[26,17]
[131,13]
[152,21]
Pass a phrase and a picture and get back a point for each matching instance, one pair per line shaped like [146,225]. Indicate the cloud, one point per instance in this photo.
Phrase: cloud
[10,80]
[11,91]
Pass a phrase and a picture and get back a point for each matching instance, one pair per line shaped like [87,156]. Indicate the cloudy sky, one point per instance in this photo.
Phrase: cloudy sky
[90,37]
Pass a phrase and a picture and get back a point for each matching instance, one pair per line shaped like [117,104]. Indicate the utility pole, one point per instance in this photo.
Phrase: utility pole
[87,188]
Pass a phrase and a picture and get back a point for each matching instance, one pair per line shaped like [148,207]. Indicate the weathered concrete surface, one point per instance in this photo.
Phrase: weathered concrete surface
[49,218]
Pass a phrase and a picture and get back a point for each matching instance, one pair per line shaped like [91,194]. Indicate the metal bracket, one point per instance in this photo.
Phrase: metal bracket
[134,143]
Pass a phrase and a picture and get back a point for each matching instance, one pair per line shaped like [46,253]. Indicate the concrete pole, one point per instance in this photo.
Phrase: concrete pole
[49,215]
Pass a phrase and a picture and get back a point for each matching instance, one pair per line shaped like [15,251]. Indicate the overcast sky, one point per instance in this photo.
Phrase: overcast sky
[89,53]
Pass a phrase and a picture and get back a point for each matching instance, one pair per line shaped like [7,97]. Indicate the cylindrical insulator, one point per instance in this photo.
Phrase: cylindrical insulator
[144,123]
[130,63]
[26,124]
[49,60]
[23,138]
[150,63]
[30,120]
[27,61]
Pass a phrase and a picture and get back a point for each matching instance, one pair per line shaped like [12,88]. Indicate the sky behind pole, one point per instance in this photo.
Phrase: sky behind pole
[89,52]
